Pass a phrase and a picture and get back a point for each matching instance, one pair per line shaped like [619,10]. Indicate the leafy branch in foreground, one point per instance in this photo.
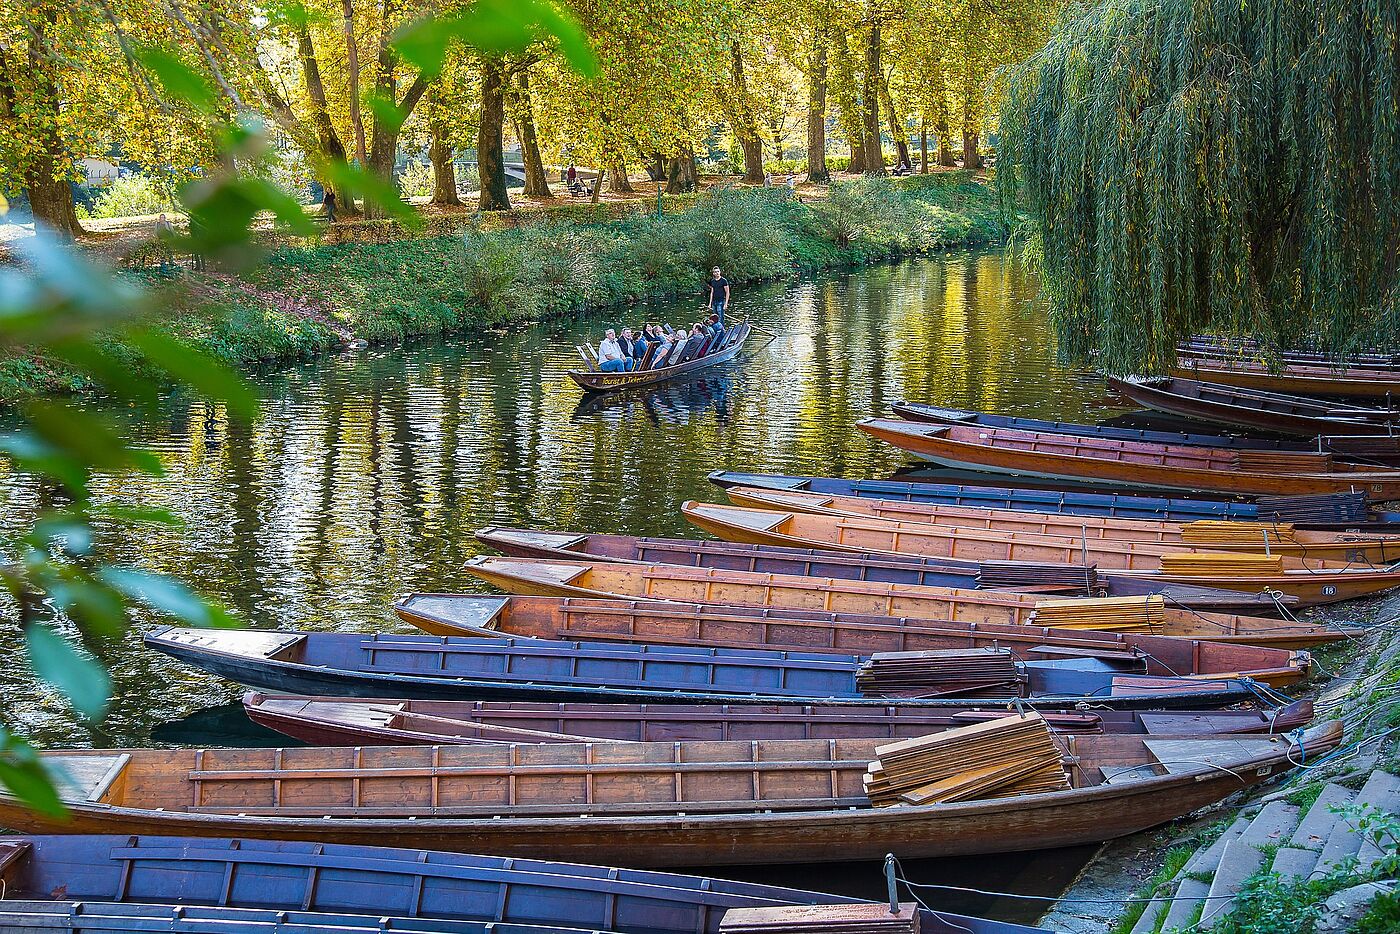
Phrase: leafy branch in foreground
[55,302]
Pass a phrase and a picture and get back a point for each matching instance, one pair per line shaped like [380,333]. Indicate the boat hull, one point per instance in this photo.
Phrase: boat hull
[1029,822]
[1158,395]
[1309,380]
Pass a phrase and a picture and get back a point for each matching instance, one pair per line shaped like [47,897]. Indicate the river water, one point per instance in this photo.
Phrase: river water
[365,474]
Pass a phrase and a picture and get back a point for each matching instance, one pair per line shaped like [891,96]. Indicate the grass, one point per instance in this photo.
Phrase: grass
[1155,887]
[302,300]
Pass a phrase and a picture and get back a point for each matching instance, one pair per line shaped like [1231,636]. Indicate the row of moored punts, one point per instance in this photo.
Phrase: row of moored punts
[1096,643]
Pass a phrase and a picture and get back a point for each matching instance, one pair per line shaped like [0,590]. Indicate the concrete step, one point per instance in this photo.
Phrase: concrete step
[1207,858]
[1147,924]
[1317,824]
[1294,861]
[1382,792]
[1243,856]
[1181,911]
[1342,842]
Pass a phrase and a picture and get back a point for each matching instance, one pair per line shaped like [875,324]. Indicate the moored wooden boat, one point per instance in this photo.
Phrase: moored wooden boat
[340,721]
[1318,379]
[1267,411]
[448,668]
[1024,577]
[297,886]
[1312,582]
[1265,537]
[1363,448]
[692,585]
[1327,511]
[1130,463]
[598,381]
[1206,345]
[660,622]
[643,804]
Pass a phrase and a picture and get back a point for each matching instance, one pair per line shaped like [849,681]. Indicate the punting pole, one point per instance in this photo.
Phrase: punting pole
[890,884]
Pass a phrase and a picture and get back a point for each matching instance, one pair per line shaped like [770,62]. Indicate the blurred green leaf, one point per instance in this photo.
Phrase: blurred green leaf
[24,774]
[84,682]
[167,595]
[87,438]
[72,531]
[94,606]
[282,205]
[37,456]
[386,112]
[136,514]
[197,369]
[103,367]
[177,79]
[375,189]
[495,26]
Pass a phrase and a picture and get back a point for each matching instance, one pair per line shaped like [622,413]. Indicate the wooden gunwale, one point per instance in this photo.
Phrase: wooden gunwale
[1064,457]
[1348,548]
[687,585]
[1311,583]
[1352,382]
[738,627]
[1080,815]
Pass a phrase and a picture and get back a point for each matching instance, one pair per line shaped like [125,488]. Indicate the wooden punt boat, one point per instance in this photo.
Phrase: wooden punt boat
[742,627]
[533,576]
[644,804]
[1064,457]
[1311,379]
[341,721]
[298,887]
[1327,511]
[598,381]
[1370,449]
[1262,537]
[1022,577]
[1312,582]
[451,668]
[1254,409]
[1205,345]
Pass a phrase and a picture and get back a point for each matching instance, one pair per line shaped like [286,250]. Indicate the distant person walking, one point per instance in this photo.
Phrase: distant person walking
[718,287]
[328,204]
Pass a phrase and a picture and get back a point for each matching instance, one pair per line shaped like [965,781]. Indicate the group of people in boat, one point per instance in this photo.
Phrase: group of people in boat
[653,346]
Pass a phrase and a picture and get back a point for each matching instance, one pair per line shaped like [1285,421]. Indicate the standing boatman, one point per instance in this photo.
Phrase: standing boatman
[719,294]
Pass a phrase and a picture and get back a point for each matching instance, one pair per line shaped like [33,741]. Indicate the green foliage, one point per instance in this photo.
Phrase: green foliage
[1155,887]
[132,196]
[1382,917]
[1212,165]
[416,180]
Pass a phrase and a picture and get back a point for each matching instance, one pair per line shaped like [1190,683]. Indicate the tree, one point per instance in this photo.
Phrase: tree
[1214,166]
[523,113]
[490,149]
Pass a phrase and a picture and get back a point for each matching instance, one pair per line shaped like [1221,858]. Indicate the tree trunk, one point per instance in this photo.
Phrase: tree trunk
[923,148]
[352,70]
[847,113]
[972,159]
[816,111]
[745,130]
[332,149]
[444,175]
[617,178]
[536,181]
[490,151]
[674,184]
[384,141]
[46,176]
[874,149]
[898,132]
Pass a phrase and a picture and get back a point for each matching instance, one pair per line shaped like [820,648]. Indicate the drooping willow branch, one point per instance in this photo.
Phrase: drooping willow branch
[1200,165]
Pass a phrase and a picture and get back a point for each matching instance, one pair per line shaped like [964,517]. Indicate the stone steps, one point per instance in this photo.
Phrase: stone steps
[1289,840]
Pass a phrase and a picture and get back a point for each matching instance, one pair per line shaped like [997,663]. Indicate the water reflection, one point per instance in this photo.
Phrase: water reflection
[364,476]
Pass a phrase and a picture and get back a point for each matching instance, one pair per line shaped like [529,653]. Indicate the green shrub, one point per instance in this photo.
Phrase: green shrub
[416,180]
[131,196]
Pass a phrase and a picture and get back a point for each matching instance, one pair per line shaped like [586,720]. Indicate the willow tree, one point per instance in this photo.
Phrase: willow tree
[1207,164]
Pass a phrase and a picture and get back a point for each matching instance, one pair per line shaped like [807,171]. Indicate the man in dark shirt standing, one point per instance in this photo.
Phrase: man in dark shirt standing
[719,294]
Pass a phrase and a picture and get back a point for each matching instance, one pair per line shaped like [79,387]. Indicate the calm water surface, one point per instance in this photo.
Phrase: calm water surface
[365,475]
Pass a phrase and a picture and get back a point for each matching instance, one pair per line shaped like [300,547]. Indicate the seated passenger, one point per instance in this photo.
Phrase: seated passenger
[679,343]
[611,359]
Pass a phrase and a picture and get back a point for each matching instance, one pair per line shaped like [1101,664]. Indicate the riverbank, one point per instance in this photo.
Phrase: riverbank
[1360,685]
[303,300]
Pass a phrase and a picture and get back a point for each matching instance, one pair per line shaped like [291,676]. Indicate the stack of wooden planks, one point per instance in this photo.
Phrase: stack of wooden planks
[1025,575]
[986,672]
[1110,614]
[1217,532]
[819,919]
[1222,564]
[1283,462]
[996,759]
